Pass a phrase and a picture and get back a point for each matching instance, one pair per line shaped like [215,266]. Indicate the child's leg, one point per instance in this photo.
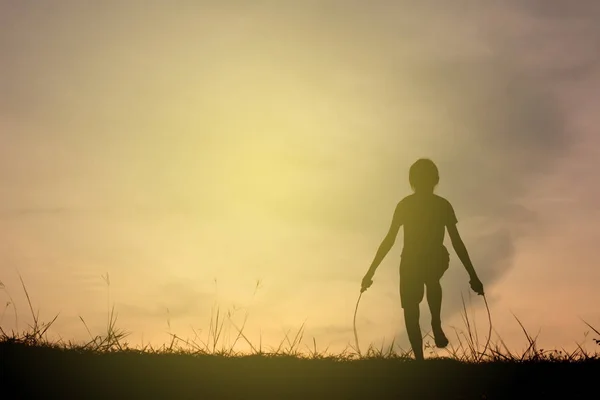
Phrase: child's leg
[434,300]
[412,290]
[411,319]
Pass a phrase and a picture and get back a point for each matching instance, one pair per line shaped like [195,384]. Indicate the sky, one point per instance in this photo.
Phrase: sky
[249,155]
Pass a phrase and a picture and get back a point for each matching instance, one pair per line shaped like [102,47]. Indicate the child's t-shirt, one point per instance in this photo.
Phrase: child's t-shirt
[424,217]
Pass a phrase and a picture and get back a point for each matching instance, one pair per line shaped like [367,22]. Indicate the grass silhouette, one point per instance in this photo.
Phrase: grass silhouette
[106,366]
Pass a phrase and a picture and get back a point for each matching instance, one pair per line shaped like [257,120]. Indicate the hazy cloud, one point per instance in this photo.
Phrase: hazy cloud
[281,130]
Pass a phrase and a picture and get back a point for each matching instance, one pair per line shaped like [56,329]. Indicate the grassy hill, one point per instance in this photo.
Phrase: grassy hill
[38,371]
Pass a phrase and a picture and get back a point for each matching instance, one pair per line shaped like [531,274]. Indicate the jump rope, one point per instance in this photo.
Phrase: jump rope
[362,290]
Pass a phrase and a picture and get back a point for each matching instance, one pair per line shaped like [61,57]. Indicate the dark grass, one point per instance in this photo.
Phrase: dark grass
[46,372]
[106,367]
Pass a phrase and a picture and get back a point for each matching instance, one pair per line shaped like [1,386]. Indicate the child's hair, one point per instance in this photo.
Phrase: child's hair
[423,175]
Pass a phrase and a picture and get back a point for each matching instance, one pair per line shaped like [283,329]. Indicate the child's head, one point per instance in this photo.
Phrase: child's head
[423,175]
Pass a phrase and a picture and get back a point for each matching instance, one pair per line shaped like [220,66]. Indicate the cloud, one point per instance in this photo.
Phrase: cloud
[194,119]
[496,127]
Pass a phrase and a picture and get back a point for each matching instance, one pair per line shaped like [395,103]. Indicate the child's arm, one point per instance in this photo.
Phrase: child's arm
[461,252]
[387,242]
[461,249]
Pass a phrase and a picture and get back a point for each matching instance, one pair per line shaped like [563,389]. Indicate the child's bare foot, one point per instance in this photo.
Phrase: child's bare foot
[440,338]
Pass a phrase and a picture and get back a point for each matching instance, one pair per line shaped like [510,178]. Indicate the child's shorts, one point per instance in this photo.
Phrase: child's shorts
[418,272]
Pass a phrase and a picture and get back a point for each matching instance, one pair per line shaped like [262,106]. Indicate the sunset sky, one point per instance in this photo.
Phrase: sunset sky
[191,148]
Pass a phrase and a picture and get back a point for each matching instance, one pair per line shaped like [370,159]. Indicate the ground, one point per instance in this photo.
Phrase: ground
[47,372]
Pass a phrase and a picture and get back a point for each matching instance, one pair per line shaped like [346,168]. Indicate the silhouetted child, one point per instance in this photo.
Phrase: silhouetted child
[425,259]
